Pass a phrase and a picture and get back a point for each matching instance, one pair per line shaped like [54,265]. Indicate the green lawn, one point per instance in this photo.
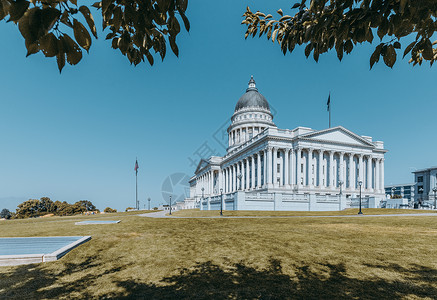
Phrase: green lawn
[265,258]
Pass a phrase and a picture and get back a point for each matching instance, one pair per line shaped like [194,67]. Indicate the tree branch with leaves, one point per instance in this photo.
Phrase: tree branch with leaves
[342,24]
[137,28]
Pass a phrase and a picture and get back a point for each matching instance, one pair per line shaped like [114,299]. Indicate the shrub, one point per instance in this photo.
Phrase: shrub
[5,214]
[110,210]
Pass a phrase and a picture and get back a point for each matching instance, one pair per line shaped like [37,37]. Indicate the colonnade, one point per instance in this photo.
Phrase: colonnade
[242,134]
[298,168]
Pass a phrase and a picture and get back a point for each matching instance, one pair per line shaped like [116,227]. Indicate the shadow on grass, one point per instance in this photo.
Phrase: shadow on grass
[236,281]
[210,281]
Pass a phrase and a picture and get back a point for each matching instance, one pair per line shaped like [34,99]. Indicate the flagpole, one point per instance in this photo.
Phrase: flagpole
[136,190]
[136,184]
[329,108]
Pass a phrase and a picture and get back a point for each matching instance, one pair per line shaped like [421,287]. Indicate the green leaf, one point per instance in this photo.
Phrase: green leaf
[390,56]
[89,19]
[409,47]
[74,54]
[81,35]
[173,45]
[375,55]
[17,9]
[49,45]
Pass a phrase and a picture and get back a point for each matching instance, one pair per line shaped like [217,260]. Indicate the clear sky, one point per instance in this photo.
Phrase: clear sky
[76,135]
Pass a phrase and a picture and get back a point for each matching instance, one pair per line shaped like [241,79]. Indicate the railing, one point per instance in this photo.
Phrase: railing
[296,197]
[259,197]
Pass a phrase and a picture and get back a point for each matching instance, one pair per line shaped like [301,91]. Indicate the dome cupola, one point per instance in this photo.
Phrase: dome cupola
[252,98]
[251,117]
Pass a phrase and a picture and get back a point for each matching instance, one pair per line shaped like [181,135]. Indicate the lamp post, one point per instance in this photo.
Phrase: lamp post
[170,205]
[221,202]
[360,183]
[435,191]
[148,199]
[201,200]
[340,183]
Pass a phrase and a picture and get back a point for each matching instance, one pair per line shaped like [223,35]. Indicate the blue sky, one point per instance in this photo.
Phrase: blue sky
[76,136]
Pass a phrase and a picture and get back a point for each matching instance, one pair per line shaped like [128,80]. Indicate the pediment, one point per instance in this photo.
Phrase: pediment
[202,164]
[338,135]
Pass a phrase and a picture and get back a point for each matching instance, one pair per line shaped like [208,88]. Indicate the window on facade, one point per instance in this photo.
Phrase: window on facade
[420,189]
[301,167]
[312,181]
[323,169]
[279,168]
[301,180]
[313,169]
[420,179]
[278,154]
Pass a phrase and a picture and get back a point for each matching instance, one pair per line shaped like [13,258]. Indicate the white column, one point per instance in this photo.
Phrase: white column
[320,168]
[211,183]
[377,175]
[369,172]
[293,167]
[247,173]
[281,172]
[258,156]
[243,175]
[341,173]
[361,168]
[286,168]
[265,167]
[331,170]
[382,175]
[238,173]
[228,179]
[253,172]
[351,163]
[269,165]
[235,177]
[298,167]
[275,173]
[310,168]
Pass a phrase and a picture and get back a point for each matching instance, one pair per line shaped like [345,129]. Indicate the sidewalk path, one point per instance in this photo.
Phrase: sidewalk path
[162,214]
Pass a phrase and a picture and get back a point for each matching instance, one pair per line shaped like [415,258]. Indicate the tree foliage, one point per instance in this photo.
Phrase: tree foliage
[342,24]
[35,208]
[137,27]
[5,214]
[109,210]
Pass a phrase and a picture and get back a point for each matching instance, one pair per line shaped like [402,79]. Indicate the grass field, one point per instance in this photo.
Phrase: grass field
[265,258]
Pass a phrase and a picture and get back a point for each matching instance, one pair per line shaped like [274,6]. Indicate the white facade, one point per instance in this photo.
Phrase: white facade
[426,182]
[266,168]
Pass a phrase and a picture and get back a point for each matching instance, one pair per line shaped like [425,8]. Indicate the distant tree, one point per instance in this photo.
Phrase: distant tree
[5,214]
[28,209]
[46,205]
[155,208]
[342,24]
[84,205]
[135,27]
[396,196]
[129,208]
[64,209]
[109,210]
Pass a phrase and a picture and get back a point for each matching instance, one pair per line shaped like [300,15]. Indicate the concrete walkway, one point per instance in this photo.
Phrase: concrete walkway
[162,214]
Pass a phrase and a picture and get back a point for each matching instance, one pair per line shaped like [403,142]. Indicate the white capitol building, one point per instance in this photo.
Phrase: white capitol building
[266,168]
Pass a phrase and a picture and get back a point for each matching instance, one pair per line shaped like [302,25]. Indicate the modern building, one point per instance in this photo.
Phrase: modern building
[426,184]
[267,168]
[406,191]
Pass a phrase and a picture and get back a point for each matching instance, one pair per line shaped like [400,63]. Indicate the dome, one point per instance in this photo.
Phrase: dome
[252,98]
